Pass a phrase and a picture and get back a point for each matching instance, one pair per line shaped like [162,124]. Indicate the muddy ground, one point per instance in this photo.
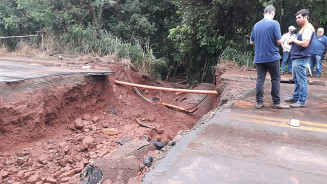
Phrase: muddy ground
[52,127]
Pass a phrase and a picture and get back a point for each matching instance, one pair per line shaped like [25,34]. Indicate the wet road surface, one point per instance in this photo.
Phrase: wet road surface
[13,71]
[246,145]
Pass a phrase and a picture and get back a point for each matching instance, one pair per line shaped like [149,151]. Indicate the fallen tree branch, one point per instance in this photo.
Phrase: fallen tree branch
[144,124]
[180,108]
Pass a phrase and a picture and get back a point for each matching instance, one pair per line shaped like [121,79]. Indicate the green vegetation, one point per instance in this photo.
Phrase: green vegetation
[240,58]
[168,38]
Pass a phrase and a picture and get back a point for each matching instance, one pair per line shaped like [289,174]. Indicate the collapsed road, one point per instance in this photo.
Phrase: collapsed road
[80,128]
[58,117]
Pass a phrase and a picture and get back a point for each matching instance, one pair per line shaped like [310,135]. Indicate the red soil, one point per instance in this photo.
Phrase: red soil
[51,127]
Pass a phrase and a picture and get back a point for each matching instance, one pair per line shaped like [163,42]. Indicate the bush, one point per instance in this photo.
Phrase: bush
[86,41]
[241,58]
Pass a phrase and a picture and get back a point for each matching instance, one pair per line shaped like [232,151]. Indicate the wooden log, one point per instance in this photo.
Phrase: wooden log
[211,92]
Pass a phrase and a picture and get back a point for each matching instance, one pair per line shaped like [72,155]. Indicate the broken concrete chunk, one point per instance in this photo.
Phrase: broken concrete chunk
[91,175]
[110,131]
[142,166]
[115,170]
[134,147]
[147,161]
[124,140]
[144,137]
[159,145]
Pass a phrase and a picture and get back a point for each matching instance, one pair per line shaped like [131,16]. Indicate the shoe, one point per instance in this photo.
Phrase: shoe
[290,100]
[318,76]
[259,106]
[282,73]
[289,72]
[298,105]
[280,106]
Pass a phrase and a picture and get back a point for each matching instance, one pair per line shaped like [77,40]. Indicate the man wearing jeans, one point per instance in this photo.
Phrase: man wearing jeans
[300,55]
[317,51]
[286,50]
[266,37]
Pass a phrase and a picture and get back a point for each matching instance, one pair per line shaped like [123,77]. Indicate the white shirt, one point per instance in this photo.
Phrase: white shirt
[285,38]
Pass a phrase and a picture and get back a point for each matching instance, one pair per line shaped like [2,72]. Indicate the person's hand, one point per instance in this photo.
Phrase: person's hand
[284,50]
[291,41]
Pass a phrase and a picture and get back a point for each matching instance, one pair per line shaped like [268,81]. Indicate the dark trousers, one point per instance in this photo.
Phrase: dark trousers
[273,69]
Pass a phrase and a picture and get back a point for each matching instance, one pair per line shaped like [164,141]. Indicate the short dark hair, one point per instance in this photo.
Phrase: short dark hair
[269,9]
[303,12]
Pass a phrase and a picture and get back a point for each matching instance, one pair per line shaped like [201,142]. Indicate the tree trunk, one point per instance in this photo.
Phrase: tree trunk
[92,15]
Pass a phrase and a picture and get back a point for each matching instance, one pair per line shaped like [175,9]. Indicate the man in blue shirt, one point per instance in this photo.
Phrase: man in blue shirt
[266,37]
[317,51]
[300,55]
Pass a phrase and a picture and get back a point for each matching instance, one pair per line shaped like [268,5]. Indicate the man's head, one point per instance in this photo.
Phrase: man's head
[291,29]
[320,32]
[302,17]
[269,11]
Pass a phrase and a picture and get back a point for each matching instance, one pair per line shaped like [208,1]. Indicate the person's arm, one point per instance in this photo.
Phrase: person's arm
[306,37]
[279,42]
[303,43]
[252,37]
[284,50]
[278,35]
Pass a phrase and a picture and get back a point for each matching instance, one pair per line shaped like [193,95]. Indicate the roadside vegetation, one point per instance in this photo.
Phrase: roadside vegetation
[171,38]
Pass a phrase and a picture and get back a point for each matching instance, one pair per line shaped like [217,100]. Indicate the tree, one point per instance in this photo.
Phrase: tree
[207,27]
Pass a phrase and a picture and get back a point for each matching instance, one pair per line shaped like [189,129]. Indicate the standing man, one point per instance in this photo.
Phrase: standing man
[300,55]
[286,50]
[266,37]
[317,51]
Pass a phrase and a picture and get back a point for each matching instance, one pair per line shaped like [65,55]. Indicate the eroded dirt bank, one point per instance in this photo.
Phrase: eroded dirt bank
[52,127]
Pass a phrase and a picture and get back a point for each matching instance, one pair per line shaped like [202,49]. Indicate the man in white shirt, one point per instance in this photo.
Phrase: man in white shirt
[286,50]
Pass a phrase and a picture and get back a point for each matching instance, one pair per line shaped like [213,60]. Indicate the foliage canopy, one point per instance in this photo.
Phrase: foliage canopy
[189,36]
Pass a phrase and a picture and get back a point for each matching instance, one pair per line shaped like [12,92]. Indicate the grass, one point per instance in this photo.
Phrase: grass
[89,42]
[241,58]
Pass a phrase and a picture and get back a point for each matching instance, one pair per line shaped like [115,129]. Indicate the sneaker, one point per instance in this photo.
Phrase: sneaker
[280,106]
[282,73]
[298,105]
[259,106]
[289,72]
[290,100]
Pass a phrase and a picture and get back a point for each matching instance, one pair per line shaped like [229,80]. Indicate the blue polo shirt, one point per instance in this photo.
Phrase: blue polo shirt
[265,34]
[319,45]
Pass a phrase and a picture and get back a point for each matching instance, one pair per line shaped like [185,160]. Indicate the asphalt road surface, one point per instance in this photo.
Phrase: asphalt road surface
[244,145]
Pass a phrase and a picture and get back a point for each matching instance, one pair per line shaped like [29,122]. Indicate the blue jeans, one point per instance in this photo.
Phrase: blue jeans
[316,60]
[287,59]
[299,69]
[273,69]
